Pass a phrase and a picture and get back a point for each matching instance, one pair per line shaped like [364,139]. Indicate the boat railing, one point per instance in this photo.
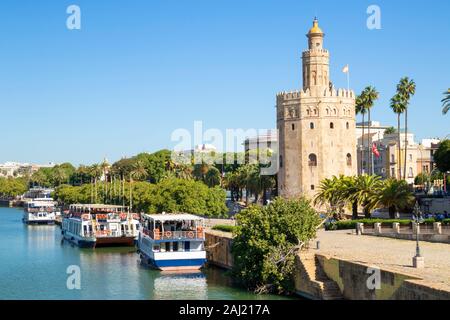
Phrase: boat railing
[175,235]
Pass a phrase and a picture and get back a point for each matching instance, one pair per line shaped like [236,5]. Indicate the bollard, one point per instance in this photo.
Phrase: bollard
[396,227]
[359,228]
[437,227]
[377,228]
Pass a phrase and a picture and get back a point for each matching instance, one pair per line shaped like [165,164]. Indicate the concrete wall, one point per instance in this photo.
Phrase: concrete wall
[218,248]
[352,277]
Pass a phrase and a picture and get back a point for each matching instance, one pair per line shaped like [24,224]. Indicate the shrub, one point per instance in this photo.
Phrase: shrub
[351,224]
[224,228]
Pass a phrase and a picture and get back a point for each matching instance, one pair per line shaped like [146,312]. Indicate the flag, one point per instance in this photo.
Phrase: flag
[345,69]
[375,150]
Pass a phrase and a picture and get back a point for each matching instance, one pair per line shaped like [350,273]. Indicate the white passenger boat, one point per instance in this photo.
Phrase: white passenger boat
[40,211]
[96,225]
[172,242]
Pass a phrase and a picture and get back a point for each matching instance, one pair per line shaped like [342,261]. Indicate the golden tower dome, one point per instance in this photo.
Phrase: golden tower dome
[315,28]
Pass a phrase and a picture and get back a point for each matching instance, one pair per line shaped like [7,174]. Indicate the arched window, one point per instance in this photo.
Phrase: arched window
[293,126]
[308,112]
[335,111]
[349,159]
[331,125]
[315,112]
[311,125]
[312,160]
[328,111]
[347,125]
[411,173]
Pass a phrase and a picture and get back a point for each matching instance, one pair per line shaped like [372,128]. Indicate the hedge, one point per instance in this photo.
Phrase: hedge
[224,228]
[351,224]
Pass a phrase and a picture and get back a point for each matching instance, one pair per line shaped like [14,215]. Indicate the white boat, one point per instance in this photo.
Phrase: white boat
[96,225]
[40,211]
[172,242]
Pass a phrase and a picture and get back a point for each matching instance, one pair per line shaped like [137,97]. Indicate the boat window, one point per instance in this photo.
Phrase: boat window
[175,246]
[187,246]
[156,248]
[167,246]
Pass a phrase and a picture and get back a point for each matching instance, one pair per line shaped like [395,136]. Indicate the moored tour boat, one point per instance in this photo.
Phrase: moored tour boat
[96,225]
[172,242]
[40,211]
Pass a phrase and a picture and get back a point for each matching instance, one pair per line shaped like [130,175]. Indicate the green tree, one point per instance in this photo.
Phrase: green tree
[394,195]
[406,89]
[366,185]
[442,156]
[267,240]
[360,109]
[397,105]
[366,102]
[446,102]
[390,130]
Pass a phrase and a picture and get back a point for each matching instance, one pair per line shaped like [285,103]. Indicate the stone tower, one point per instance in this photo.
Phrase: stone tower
[316,125]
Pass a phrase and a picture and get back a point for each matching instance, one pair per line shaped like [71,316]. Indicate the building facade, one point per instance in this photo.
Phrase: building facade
[316,126]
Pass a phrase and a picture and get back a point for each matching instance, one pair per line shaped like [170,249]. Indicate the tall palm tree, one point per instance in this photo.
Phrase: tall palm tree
[398,106]
[446,102]
[368,97]
[359,109]
[330,195]
[348,189]
[406,89]
[394,195]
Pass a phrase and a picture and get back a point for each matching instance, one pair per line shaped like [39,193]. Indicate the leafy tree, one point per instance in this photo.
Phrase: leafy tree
[442,156]
[267,240]
[390,130]
[12,187]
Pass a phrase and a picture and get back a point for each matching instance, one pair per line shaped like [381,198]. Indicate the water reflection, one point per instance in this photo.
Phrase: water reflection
[189,286]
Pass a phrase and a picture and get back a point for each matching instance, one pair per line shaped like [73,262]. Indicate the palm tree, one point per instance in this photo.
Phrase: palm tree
[365,186]
[446,102]
[394,195]
[397,105]
[367,100]
[360,109]
[139,171]
[330,195]
[390,130]
[348,189]
[406,89]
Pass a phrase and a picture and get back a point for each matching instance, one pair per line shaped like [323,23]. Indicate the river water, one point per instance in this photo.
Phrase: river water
[34,264]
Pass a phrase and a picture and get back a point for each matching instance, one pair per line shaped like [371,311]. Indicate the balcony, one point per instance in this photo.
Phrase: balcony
[175,235]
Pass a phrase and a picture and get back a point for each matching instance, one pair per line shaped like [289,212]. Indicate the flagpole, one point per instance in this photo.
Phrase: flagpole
[348,80]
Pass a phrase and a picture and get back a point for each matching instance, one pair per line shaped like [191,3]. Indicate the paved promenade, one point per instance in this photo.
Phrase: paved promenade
[389,254]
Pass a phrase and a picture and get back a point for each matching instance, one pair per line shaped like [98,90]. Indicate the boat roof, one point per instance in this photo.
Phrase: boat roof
[172,217]
[96,206]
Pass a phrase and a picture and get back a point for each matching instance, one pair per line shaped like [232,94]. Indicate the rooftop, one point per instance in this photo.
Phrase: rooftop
[172,217]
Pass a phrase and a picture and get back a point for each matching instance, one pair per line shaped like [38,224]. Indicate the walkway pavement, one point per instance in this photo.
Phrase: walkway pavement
[389,254]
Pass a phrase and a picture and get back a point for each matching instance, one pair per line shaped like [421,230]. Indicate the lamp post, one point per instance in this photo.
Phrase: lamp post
[418,260]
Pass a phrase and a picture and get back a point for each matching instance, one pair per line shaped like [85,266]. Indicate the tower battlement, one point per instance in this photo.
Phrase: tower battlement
[298,94]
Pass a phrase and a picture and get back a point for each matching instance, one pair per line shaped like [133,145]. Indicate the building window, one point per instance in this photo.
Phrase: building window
[392,158]
[411,173]
[393,172]
[308,112]
[410,157]
[311,125]
[312,160]
[347,125]
[312,187]
[331,125]
[293,126]
[349,159]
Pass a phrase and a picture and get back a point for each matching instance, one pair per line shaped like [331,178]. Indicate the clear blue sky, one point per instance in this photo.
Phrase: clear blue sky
[139,69]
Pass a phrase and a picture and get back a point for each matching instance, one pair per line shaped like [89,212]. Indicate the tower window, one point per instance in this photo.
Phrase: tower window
[349,159]
[293,126]
[347,125]
[312,187]
[312,160]
[311,125]
[331,125]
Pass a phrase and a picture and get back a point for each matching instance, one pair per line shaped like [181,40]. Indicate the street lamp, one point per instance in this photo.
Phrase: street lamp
[418,260]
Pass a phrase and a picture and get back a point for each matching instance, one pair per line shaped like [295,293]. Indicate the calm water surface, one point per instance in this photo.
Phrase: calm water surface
[34,261]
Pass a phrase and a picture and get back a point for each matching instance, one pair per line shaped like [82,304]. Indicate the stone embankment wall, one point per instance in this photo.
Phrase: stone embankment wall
[218,248]
[356,281]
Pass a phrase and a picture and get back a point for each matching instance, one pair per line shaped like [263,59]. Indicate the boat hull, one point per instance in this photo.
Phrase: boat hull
[38,222]
[115,241]
[173,264]
[78,241]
